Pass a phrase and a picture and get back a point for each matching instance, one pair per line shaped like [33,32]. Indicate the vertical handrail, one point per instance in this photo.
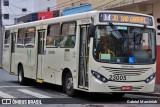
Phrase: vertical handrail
[84,51]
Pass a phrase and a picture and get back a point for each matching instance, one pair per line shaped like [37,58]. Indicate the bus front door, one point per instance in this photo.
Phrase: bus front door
[41,36]
[12,59]
[83,58]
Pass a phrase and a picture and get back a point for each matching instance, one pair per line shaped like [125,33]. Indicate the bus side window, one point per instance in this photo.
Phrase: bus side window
[21,37]
[53,36]
[68,35]
[30,37]
[7,39]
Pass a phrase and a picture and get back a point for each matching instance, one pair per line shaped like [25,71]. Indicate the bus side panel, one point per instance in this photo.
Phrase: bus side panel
[6,59]
[26,56]
[49,65]
[53,66]
[55,62]
[6,51]
[19,56]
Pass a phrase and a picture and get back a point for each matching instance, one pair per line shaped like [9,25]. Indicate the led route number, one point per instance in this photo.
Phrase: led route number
[125,18]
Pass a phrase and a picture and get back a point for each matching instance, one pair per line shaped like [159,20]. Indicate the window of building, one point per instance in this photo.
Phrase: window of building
[53,36]
[6,2]
[7,39]
[21,37]
[68,35]
[6,16]
[24,9]
[72,4]
[30,37]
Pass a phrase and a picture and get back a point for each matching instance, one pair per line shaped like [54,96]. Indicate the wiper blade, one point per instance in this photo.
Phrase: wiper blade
[117,34]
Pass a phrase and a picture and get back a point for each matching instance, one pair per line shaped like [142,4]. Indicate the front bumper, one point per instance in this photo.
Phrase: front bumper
[111,86]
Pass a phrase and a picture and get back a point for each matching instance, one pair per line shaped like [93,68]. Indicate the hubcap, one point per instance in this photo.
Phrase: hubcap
[69,83]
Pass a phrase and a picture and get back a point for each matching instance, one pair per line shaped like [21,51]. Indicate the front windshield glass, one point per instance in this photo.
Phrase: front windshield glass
[124,44]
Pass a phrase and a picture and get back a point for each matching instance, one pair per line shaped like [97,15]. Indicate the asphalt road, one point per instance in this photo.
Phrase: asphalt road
[52,96]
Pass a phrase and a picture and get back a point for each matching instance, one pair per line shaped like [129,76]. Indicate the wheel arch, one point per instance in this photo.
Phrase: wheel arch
[64,72]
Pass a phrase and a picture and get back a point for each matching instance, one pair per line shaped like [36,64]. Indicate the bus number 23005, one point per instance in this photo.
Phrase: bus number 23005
[117,77]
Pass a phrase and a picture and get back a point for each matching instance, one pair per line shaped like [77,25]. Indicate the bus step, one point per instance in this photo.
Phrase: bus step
[12,73]
[39,80]
[86,88]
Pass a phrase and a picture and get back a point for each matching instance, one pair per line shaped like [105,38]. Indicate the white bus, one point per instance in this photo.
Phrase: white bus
[95,51]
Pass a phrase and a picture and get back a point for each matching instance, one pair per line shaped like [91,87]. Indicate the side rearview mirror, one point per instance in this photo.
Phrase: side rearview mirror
[91,30]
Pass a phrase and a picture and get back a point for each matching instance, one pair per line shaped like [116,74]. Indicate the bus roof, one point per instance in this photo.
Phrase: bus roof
[68,18]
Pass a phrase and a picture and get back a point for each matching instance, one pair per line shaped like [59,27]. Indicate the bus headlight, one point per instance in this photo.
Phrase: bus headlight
[150,78]
[99,76]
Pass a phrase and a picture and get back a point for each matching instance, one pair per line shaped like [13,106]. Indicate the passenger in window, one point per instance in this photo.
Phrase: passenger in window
[69,42]
[116,46]
[104,46]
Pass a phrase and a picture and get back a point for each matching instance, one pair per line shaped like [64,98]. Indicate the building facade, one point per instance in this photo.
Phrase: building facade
[12,9]
[67,4]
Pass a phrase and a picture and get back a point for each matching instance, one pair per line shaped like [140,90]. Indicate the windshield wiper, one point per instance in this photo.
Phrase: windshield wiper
[118,35]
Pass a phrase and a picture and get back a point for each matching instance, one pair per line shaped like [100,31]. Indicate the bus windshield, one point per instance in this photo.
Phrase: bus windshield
[124,44]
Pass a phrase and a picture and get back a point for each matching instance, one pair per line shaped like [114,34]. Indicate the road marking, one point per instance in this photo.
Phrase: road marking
[56,92]
[5,95]
[13,86]
[33,93]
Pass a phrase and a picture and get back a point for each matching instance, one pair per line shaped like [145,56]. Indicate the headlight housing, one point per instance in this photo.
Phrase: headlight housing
[99,76]
[150,78]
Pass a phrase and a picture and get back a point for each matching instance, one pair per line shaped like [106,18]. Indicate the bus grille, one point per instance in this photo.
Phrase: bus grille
[114,88]
[127,71]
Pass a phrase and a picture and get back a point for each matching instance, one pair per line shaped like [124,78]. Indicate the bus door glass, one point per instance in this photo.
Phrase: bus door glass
[41,36]
[13,41]
[84,57]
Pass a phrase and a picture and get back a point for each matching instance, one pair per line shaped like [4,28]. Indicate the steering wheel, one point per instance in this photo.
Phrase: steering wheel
[111,52]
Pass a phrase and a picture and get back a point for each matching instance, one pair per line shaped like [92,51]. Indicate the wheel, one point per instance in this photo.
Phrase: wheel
[69,85]
[119,95]
[21,78]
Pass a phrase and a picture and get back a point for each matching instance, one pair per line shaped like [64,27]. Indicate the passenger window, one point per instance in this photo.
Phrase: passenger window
[68,38]
[30,37]
[53,36]
[21,37]
[7,39]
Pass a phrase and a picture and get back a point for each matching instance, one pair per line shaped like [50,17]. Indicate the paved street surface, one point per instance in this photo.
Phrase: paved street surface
[54,97]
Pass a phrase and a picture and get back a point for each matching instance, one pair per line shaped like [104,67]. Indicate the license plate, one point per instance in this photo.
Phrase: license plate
[126,88]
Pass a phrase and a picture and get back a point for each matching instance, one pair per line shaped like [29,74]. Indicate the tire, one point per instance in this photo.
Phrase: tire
[118,95]
[68,85]
[21,78]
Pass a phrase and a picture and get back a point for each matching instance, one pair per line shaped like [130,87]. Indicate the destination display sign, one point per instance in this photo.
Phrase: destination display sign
[125,18]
